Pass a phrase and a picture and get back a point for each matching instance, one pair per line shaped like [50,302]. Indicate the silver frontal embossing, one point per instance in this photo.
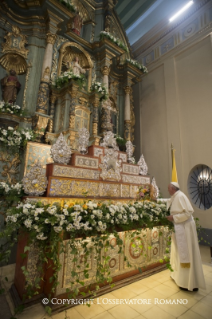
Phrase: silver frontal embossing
[60,151]
[143,168]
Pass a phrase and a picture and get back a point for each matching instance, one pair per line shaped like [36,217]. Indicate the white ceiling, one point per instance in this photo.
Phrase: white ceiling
[158,11]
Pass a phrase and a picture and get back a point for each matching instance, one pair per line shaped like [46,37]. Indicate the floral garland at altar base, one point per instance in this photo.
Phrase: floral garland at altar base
[8,189]
[64,78]
[137,65]
[10,108]
[10,194]
[86,218]
[118,42]
[16,137]
[100,89]
[45,225]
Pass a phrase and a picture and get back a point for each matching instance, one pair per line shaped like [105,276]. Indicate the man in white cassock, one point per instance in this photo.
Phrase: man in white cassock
[185,255]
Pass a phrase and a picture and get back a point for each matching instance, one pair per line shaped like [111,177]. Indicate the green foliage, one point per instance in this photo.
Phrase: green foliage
[201,231]
[10,194]
[45,225]
[69,5]
[120,140]
[137,65]
[108,35]
[6,107]
[16,138]
[64,78]
[100,89]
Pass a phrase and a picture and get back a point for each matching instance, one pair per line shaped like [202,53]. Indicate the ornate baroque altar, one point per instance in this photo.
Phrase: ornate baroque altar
[65,67]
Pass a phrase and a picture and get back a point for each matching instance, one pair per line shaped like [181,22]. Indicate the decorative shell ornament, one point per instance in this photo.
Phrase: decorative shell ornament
[35,182]
[83,140]
[142,166]
[60,151]
[155,189]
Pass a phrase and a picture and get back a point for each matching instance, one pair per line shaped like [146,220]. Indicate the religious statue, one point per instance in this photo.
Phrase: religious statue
[10,87]
[75,66]
[106,118]
[77,24]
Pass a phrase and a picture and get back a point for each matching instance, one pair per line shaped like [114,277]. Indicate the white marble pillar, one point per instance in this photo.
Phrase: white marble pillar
[47,60]
[127,104]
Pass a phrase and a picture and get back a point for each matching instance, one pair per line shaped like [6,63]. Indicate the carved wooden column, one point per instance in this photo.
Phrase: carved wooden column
[127,118]
[105,80]
[73,102]
[95,102]
[43,93]
[41,118]
[52,112]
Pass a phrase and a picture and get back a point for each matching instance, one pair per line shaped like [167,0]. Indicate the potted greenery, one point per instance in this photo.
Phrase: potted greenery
[121,142]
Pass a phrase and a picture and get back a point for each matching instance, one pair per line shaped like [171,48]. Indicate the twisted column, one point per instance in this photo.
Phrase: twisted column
[105,80]
[95,116]
[94,139]
[72,107]
[52,111]
[127,118]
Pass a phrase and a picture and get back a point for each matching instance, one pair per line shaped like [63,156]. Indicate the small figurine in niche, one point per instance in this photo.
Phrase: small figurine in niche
[77,24]
[10,87]
[75,66]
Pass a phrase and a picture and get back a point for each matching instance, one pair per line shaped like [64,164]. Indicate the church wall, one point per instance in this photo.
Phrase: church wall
[194,82]
[153,130]
[175,107]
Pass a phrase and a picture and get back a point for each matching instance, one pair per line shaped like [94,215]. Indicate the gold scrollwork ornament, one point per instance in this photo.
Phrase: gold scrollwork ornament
[51,38]
[15,42]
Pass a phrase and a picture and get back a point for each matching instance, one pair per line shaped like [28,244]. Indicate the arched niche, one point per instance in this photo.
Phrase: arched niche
[18,63]
[68,52]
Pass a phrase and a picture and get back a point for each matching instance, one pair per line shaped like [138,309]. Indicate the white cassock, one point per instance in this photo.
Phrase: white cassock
[185,255]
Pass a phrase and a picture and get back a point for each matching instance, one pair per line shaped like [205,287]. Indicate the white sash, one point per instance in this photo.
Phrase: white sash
[182,244]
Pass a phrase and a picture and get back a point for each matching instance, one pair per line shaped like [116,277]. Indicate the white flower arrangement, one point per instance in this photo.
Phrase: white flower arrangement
[16,137]
[66,76]
[99,88]
[11,192]
[138,65]
[6,107]
[117,41]
[69,5]
[88,217]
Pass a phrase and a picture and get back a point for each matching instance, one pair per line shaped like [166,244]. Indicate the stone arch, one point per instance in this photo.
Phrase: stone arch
[72,49]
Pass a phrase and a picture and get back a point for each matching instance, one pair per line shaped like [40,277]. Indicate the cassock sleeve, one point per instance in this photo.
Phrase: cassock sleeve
[186,209]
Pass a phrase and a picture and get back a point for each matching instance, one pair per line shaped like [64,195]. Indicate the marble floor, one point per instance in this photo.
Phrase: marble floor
[154,289]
